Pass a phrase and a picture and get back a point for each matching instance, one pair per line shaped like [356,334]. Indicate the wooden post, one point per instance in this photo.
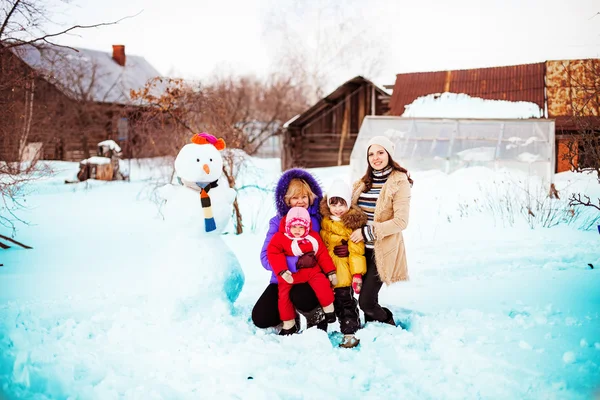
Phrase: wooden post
[373,101]
[362,97]
[283,148]
[345,129]
[104,172]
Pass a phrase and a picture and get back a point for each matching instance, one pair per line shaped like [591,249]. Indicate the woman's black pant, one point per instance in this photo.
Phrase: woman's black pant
[265,313]
[369,294]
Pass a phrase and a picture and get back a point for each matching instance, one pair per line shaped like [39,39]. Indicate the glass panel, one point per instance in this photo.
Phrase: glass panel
[447,145]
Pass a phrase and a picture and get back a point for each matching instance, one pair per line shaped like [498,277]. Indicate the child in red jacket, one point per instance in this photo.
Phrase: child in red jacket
[297,240]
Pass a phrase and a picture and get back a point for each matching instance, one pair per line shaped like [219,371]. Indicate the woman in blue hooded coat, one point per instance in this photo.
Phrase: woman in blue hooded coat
[296,188]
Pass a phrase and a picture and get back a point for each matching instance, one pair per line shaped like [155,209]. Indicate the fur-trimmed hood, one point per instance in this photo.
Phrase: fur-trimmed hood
[284,183]
[354,219]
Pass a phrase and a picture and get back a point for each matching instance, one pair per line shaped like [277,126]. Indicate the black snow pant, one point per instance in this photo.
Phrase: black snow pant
[265,313]
[369,294]
[346,310]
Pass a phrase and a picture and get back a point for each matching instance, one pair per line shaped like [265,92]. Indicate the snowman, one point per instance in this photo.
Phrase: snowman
[201,270]
[201,202]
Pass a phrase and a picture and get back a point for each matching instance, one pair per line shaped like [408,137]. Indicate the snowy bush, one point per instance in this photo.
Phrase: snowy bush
[508,200]
[254,186]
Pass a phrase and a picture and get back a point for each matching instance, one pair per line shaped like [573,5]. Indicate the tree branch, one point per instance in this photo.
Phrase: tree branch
[575,200]
[16,42]
[8,16]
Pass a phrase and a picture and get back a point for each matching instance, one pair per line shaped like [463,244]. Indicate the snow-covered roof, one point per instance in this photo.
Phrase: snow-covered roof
[111,144]
[460,105]
[88,74]
[291,120]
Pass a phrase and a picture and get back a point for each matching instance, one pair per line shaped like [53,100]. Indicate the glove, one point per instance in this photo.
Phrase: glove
[356,283]
[333,279]
[287,276]
[306,260]
[341,250]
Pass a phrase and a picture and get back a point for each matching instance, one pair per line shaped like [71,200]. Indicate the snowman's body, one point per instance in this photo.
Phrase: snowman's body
[203,267]
[192,221]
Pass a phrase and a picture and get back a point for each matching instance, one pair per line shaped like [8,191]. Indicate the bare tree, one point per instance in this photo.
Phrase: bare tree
[22,23]
[26,22]
[318,44]
[246,111]
[253,109]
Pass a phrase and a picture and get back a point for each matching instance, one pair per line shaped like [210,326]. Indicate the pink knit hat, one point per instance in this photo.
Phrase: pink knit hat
[297,216]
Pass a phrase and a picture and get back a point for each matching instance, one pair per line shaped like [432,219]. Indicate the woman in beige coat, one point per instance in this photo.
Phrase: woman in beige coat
[384,195]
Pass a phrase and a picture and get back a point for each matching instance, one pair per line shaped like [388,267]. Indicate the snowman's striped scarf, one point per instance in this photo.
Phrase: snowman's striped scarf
[203,188]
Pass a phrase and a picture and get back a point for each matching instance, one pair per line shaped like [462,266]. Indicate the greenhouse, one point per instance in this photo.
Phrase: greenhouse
[446,144]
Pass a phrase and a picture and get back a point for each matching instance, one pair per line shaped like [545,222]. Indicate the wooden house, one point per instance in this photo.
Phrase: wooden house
[324,135]
[57,103]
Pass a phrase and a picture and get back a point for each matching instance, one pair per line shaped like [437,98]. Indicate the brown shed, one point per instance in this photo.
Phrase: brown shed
[324,135]
[512,83]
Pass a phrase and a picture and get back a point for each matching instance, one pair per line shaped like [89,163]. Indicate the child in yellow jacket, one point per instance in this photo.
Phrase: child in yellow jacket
[339,221]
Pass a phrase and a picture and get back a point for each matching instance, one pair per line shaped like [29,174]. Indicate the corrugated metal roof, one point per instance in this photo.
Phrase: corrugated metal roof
[513,83]
[88,73]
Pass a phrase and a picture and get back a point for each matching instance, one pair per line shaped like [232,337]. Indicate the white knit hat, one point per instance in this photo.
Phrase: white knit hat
[383,142]
[339,188]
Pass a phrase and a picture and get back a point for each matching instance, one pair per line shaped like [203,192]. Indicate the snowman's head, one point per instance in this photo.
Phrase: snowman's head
[200,161]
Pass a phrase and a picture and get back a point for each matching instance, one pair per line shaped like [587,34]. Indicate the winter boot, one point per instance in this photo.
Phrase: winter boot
[389,320]
[316,318]
[290,331]
[330,317]
[297,320]
[390,317]
[349,341]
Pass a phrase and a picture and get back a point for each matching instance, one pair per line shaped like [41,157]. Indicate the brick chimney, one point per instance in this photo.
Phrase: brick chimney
[119,54]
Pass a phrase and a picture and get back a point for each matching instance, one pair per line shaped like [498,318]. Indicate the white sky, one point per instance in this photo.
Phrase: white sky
[193,38]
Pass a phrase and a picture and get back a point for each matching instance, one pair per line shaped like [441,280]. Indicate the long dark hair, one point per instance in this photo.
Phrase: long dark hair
[368,178]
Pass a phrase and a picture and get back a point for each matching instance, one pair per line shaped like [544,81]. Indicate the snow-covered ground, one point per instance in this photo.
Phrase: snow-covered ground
[495,309]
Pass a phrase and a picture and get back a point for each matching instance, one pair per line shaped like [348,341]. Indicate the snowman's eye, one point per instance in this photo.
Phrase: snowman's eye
[197,160]
[211,160]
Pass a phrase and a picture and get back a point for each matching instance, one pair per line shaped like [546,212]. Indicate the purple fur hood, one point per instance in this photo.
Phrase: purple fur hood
[282,187]
[282,210]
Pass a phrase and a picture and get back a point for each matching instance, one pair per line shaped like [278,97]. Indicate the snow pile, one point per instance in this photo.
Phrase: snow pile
[460,105]
[492,311]
[96,160]
[503,198]
[111,144]
[197,211]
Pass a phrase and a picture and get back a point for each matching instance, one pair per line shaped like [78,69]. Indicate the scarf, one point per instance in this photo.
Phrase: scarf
[296,244]
[203,188]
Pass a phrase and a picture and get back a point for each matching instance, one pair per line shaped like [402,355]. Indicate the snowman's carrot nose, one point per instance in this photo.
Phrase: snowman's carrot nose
[206,168]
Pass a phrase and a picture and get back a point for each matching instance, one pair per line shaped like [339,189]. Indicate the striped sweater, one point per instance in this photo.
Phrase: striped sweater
[368,200]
